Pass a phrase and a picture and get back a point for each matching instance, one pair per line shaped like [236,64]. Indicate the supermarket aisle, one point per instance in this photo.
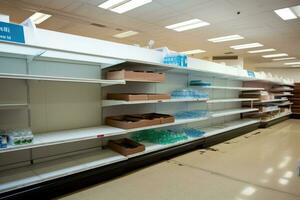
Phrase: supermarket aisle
[260,165]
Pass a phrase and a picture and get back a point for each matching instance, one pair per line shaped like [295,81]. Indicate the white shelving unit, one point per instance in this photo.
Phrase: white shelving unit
[231,100]
[271,110]
[231,88]
[277,117]
[228,112]
[60,79]
[271,101]
[107,103]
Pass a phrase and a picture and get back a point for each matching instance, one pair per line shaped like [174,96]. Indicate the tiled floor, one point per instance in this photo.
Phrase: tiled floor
[260,165]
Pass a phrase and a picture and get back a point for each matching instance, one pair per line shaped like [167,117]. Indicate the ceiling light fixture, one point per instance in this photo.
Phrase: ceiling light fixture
[292,63]
[38,17]
[262,50]
[275,55]
[125,34]
[187,25]
[195,51]
[122,6]
[285,14]
[279,59]
[246,46]
[226,38]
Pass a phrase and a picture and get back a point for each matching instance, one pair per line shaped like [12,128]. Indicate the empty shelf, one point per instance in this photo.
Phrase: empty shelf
[222,113]
[232,88]
[13,106]
[231,100]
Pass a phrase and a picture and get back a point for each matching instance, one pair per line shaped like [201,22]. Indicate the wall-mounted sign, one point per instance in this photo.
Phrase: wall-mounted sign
[11,32]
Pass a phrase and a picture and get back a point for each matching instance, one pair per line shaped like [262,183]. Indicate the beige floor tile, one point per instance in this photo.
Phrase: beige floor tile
[269,159]
[168,181]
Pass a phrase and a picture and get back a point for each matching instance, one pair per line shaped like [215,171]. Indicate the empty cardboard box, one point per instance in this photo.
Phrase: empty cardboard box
[126,146]
[141,76]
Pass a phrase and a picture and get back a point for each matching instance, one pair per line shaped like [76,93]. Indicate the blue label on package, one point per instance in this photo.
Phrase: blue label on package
[11,32]
[251,74]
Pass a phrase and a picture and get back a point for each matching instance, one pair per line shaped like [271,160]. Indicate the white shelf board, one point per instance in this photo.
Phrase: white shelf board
[231,88]
[222,113]
[60,137]
[283,95]
[267,111]
[107,103]
[286,104]
[49,170]
[272,101]
[231,100]
[281,90]
[149,147]
[12,106]
[60,79]
[277,117]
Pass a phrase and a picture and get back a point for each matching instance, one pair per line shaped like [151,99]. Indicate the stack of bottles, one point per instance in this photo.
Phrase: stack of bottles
[188,93]
[167,136]
[191,114]
[159,136]
[199,83]
[15,137]
[176,59]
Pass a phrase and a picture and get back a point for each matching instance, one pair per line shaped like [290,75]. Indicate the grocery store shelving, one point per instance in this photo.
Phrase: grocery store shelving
[231,100]
[107,103]
[222,113]
[60,79]
[268,111]
[270,101]
[276,117]
[12,106]
[232,88]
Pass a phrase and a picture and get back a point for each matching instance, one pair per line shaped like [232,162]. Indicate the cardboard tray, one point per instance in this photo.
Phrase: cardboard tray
[126,146]
[142,76]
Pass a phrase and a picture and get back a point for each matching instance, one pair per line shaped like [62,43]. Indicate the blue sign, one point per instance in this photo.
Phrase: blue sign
[251,74]
[11,32]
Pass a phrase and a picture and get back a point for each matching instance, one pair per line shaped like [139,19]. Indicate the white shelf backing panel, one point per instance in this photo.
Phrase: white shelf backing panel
[106,103]
[231,100]
[149,147]
[277,117]
[222,113]
[13,106]
[231,88]
[214,130]
[60,137]
[60,79]
[41,172]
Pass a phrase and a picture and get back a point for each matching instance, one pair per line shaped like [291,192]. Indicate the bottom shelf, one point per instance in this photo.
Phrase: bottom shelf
[277,117]
[41,172]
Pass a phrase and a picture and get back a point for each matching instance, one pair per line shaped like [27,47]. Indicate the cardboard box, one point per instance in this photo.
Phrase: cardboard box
[139,120]
[127,96]
[142,76]
[126,146]
[158,96]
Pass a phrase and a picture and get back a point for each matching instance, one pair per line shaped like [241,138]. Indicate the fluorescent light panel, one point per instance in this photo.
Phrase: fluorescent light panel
[261,50]
[188,25]
[292,63]
[195,51]
[246,46]
[226,38]
[125,34]
[285,14]
[122,6]
[38,17]
[279,59]
[275,55]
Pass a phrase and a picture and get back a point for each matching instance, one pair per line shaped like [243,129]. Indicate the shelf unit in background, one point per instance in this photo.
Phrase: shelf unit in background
[296,100]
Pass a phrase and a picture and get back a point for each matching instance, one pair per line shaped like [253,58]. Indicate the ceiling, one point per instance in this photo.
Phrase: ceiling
[256,22]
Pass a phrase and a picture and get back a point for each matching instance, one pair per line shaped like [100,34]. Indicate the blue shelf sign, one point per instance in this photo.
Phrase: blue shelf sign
[11,32]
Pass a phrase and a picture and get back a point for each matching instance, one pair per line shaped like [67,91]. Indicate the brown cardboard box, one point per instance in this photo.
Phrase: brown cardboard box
[158,96]
[130,121]
[142,76]
[127,96]
[126,146]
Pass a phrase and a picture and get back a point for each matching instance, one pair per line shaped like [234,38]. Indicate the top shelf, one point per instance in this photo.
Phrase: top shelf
[232,88]
[61,79]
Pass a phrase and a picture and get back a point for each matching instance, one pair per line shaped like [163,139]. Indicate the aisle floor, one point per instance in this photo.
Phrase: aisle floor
[260,165]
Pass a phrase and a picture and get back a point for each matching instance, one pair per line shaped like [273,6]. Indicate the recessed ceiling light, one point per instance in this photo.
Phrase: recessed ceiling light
[275,55]
[195,51]
[122,6]
[38,17]
[188,25]
[261,50]
[247,46]
[292,63]
[125,34]
[285,13]
[279,59]
[226,38]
